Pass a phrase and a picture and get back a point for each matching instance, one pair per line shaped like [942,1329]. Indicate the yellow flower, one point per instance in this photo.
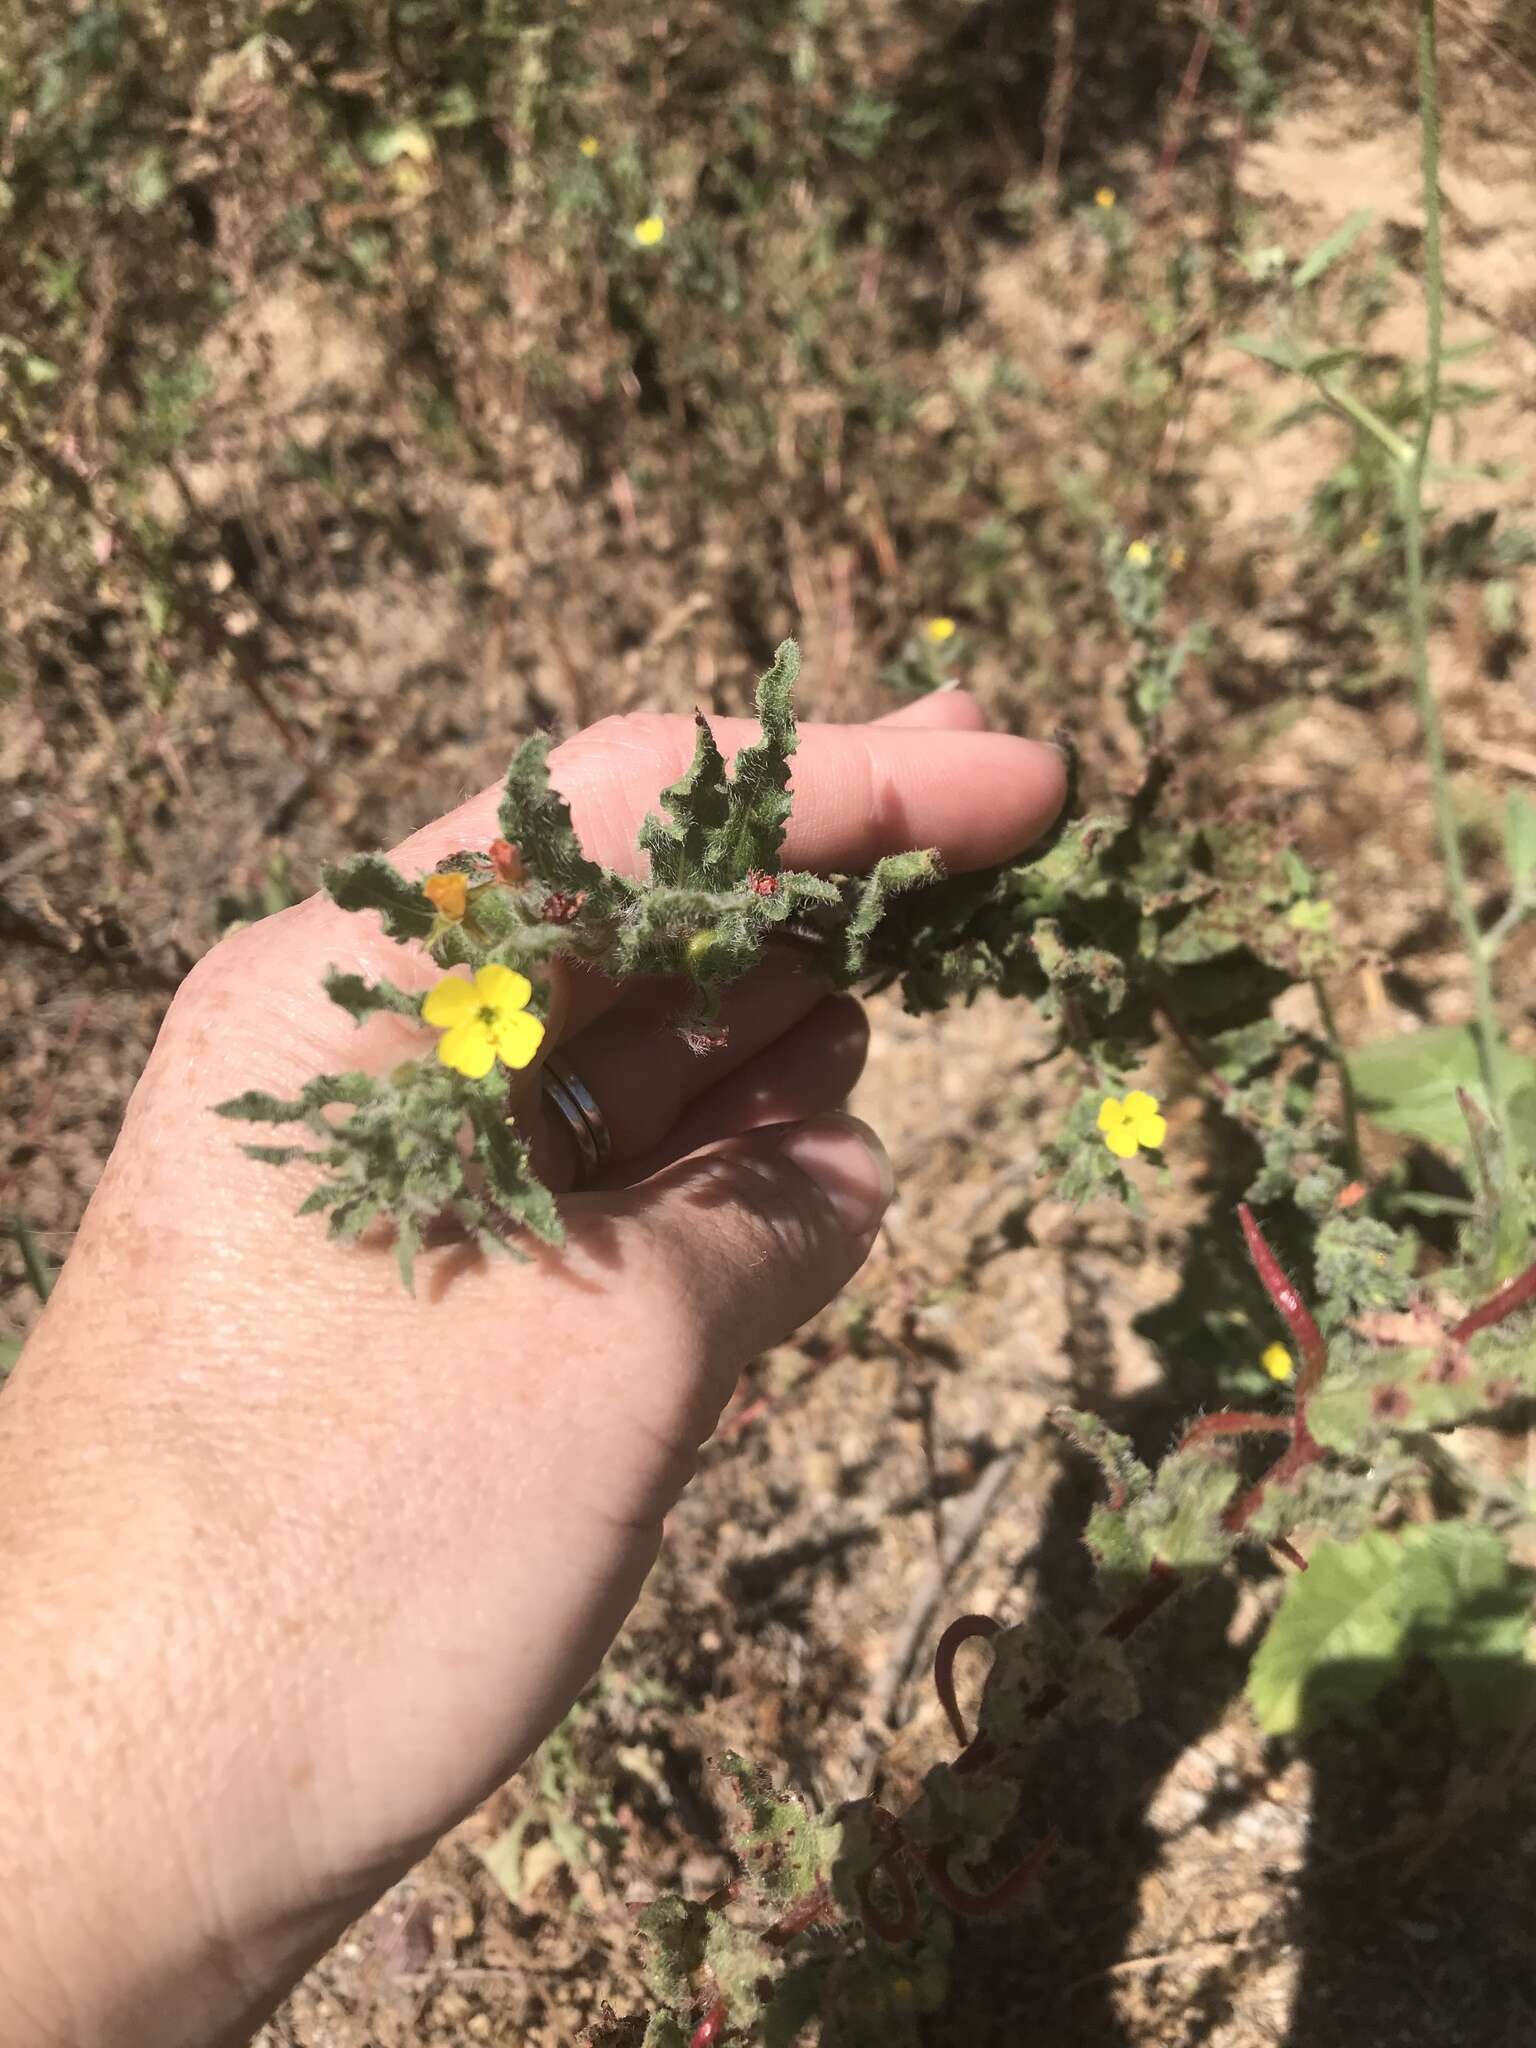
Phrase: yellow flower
[1139,554]
[648,232]
[937,631]
[1177,557]
[1370,540]
[483,1021]
[1132,1123]
[1276,1361]
[589,145]
[448,894]
[1104,197]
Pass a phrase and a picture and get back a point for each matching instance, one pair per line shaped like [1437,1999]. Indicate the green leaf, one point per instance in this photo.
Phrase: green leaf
[721,828]
[10,1351]
[1274,353]
[508,1168]
[387,145]
[368,882]
[1470,1611]
[750,839]
[697,806]
[503,1858]
[665,2031]
[1409,1084]
[360,998]
[1336,1640]
[1447,1593]
[1313,265]
[888,878]
[537,821]
[38,1271]
[1520,841]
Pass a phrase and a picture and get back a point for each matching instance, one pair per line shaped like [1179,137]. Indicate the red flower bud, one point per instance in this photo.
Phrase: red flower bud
[507,863]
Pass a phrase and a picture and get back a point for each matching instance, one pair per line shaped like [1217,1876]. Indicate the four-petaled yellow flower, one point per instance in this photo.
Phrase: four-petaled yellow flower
[1276,1361]
[483,1020]
[1139,554]
[648,232]
[589,145]
[448,894]
[940,630]
[1370,540]
[1104,197]
[1132,1123]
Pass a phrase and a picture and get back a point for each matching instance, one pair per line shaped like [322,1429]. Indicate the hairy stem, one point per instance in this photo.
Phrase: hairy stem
[1410,492]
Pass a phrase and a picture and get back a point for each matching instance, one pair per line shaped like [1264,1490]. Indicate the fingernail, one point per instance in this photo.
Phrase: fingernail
[848,1163]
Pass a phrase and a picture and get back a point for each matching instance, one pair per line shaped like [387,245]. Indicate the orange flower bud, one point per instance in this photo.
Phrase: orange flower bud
[448,894]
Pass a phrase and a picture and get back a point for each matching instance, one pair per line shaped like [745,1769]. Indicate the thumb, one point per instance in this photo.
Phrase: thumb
[749,1238]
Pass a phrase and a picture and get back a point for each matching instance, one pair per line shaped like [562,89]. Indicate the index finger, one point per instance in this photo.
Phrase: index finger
[859,792]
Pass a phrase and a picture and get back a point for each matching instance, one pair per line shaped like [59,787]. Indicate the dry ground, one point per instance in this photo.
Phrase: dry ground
[1210,1890]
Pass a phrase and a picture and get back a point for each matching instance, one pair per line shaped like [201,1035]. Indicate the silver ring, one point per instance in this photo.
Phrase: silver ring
[568,1094]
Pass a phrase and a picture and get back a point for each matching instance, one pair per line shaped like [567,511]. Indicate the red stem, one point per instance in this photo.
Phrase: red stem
[902,1924]
[711,2026]
[1234,1422]
[1512,1295]
[959,1631]
[1162,1582]
[975,1905]
[1293,1310]
[1189,86]
[800,1916]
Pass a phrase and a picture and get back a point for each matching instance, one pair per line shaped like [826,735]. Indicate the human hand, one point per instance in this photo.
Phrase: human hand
[299,1567]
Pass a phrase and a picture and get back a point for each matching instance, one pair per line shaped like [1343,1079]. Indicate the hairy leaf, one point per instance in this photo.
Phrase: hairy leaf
[368,882]
[361,998]
[536,820]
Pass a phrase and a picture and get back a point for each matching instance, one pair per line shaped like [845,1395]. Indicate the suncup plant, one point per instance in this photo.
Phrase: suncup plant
[1132,935]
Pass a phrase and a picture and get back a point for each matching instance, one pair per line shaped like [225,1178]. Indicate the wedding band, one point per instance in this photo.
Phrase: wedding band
[573,1100]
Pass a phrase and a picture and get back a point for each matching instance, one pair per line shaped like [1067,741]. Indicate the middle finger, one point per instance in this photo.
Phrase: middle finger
[643,1073]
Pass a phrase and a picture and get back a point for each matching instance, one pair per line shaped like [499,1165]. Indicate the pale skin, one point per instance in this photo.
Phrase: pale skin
[298,1567]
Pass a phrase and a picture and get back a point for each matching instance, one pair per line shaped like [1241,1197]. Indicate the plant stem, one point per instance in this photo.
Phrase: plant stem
[1410,493]
[1346,1079]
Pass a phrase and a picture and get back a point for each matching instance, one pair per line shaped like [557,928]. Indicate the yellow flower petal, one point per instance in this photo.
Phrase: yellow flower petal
[468,1049]
[1276,1361]
[1104,197]
[1122,1142]
[517,1038]
[940,630]
[1139,554]
[1139,1104]
[1111,1113]
[648,232]
[503,988]
[589,145]
[1150,1131]
[450,1001]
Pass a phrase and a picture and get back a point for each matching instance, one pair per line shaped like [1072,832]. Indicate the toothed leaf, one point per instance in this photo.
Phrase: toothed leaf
[536,819]
[368,882]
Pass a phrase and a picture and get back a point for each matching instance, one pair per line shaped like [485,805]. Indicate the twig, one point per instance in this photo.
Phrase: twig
[1135,1966]
[1189,86]
[1058,98]
[965,1527]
